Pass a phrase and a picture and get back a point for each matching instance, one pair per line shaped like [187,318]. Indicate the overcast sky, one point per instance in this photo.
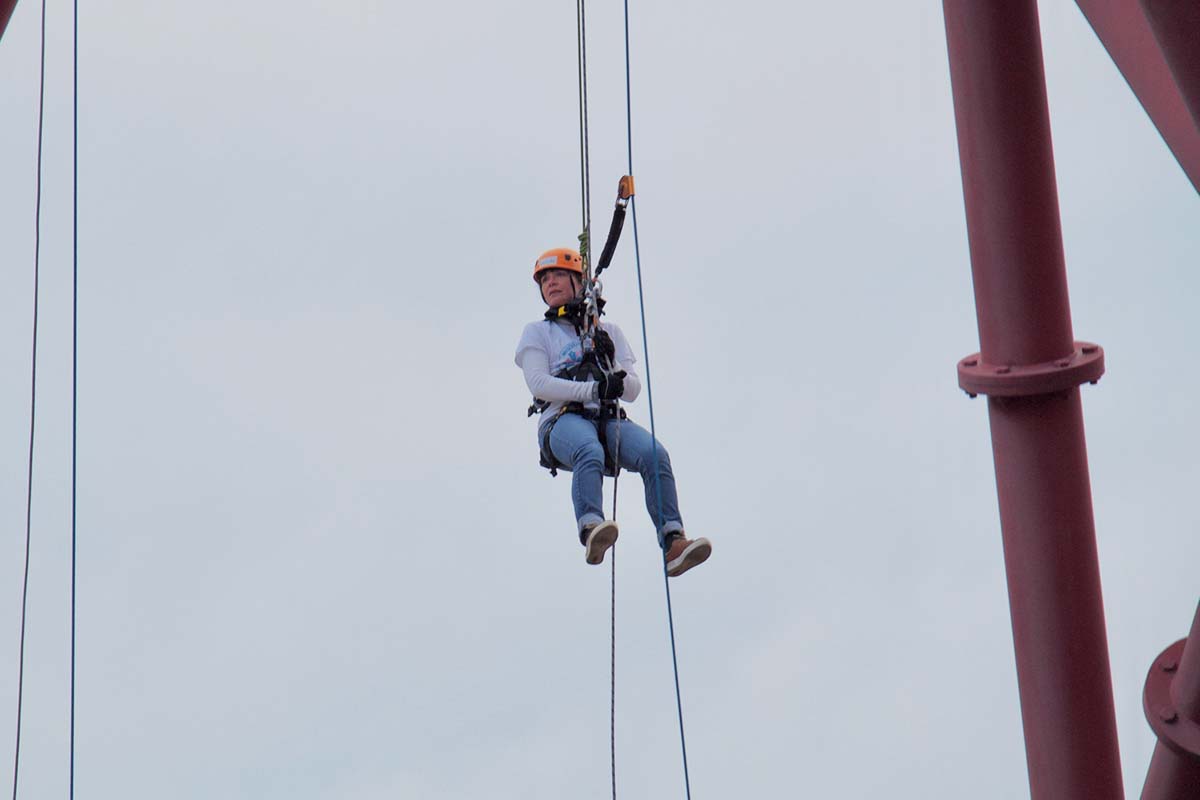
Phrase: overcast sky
[317,558]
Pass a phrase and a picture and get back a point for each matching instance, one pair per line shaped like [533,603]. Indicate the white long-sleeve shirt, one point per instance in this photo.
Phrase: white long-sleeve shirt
[548,347]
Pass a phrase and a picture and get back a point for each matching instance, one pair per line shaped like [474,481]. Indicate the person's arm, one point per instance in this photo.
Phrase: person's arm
[544,386]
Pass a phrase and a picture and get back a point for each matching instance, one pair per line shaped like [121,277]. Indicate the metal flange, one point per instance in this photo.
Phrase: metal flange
[1084,365]
[1176,731]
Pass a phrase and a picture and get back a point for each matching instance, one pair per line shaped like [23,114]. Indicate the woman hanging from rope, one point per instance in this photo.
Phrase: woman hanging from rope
[576,376]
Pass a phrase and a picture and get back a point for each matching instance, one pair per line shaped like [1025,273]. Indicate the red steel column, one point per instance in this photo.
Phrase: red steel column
[1030,367]
[1172,704]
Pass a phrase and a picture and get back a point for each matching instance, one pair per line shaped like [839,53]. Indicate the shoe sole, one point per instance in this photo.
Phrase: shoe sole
[602,537]
[694,555]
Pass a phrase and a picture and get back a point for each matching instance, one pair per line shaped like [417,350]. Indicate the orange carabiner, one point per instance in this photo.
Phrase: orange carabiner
[625,188]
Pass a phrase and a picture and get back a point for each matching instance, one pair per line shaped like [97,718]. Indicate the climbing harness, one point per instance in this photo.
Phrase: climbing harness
[588,369]
[546,455]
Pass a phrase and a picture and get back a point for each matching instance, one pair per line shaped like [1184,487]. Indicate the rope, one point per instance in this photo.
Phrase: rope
[37,248]
[650,401]
[612,634]
[585,189]
[74,352]
[612,723]
[585,175]
[585,241]
[612,693]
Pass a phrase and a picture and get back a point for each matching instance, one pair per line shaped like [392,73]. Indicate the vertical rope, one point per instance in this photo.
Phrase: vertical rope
[37,249]
[612,632]
[585,176]
[74,353]
[585,190]
[612,694]
[650,402]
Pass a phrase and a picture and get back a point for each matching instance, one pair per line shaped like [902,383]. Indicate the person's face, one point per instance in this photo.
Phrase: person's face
[558,287]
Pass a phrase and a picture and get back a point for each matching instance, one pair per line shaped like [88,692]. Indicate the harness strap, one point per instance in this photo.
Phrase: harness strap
[546,455]
[624,192]
[574,312]
[614,234]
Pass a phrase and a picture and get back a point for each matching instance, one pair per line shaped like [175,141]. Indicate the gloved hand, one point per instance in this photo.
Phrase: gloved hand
[611,387]
[604,346]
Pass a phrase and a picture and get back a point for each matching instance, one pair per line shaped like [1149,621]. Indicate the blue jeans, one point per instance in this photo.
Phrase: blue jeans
[576,446]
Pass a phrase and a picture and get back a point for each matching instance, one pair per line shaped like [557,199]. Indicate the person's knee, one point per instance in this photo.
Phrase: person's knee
[587,453]
[647,464]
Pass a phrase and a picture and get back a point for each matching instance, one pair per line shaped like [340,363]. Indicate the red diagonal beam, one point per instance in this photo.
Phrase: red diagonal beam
[1176,26]
[1127,35]
[6,9]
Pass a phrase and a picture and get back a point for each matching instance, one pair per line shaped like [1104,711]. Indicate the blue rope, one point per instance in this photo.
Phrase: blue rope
[650,400]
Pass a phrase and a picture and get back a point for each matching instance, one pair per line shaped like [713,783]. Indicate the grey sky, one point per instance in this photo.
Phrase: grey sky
[317,557]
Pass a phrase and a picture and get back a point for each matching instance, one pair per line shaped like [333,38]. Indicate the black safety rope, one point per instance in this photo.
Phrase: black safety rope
[37,248]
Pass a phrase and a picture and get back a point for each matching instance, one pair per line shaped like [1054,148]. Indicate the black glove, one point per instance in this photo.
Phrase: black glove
[611,387]
[604,346]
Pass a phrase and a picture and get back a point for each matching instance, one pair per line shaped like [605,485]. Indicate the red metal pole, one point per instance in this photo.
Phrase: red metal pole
[1172,704]
[6,10]
[1030,367]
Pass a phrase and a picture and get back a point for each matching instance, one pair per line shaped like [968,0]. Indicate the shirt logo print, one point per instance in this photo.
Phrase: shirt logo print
[569,356]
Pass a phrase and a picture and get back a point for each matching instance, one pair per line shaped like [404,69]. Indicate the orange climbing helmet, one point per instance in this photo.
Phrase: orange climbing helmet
[558,258]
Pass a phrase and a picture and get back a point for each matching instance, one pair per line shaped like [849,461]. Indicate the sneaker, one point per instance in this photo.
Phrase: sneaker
[683,554]
[597,538]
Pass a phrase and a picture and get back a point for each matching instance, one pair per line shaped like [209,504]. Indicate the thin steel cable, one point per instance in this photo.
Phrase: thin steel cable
[37,249]
[650,402]
[74,355]
[585,176]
